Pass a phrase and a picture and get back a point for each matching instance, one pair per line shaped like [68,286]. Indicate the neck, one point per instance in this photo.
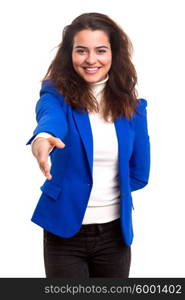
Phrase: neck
[99,82]
[97,87]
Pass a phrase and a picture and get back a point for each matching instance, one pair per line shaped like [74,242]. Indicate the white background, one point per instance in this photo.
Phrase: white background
[30,31]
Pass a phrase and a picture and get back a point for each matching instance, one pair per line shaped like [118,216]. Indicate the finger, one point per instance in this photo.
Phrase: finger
[45,168]
[48,176]
[56,142]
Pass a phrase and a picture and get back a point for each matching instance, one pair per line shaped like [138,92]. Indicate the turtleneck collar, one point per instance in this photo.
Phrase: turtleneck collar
[98,87]
[100,82]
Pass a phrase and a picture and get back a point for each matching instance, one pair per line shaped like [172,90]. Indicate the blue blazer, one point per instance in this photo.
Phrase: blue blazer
[64,198]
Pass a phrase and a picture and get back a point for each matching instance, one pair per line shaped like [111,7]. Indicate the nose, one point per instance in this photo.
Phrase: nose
[91,58]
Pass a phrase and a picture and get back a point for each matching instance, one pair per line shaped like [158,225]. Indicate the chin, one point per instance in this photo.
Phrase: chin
[92,80]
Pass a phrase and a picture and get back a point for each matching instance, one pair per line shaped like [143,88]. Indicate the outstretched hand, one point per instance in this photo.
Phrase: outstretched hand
[41,148]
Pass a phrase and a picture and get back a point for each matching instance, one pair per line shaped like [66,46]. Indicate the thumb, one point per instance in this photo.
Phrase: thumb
[45,168]
[56,142]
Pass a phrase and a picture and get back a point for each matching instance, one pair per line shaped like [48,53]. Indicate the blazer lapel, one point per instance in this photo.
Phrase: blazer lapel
[83,124]
[124,136]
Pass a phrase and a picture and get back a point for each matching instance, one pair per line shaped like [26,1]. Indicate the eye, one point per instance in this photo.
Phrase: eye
[101,51]
[81,51]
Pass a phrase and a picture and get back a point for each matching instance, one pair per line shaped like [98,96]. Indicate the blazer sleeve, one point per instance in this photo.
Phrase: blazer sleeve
[50,117]
[140,159]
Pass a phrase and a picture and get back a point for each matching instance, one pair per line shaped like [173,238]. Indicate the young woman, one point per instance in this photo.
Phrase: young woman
[94,129]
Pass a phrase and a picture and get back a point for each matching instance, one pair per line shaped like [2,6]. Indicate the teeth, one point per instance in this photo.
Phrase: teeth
[91,69]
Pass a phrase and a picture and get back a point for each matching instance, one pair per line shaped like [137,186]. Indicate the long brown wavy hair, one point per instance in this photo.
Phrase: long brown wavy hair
[119,94]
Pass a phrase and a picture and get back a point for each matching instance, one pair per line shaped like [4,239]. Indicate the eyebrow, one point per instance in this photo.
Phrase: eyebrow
[87,47]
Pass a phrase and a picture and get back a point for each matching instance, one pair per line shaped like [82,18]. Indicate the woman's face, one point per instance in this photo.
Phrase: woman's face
[91,55]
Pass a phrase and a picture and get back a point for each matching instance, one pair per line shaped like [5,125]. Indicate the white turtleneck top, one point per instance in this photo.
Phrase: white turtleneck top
[104,201]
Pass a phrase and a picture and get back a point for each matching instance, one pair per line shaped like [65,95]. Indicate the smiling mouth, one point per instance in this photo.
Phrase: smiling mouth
[89,70]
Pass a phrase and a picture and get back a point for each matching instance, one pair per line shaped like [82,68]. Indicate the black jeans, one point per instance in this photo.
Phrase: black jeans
[97,250]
